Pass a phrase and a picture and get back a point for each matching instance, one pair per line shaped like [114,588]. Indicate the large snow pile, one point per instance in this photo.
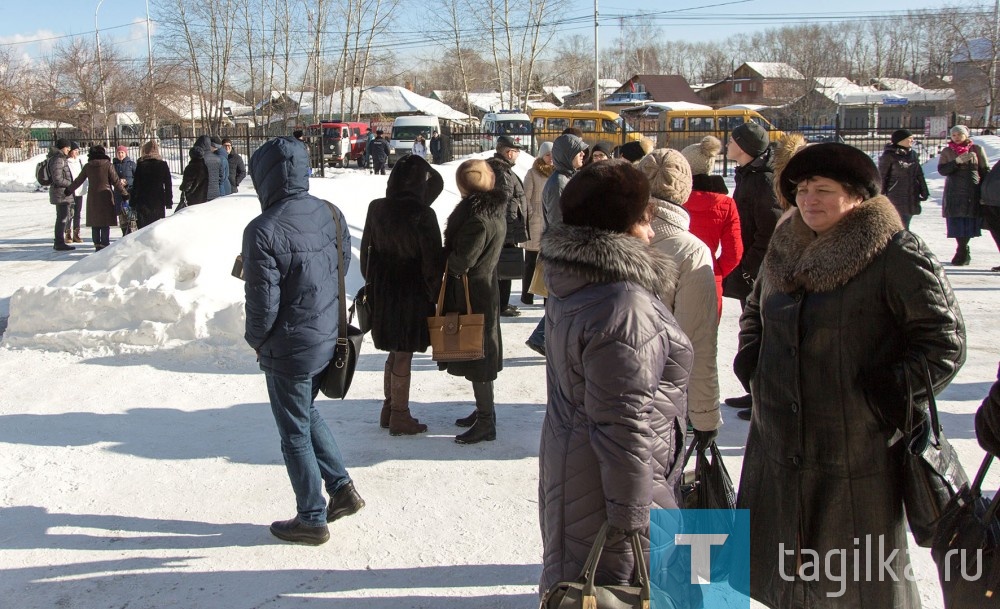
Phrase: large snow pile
[170,285]
[20,177]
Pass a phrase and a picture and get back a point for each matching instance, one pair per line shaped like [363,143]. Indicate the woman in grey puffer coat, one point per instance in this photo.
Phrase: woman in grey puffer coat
[617,373]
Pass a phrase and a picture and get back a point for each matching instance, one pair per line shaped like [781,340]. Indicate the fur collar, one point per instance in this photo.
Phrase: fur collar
[797,258]
[599,256]
[542,167]
[669,219]
[490,204]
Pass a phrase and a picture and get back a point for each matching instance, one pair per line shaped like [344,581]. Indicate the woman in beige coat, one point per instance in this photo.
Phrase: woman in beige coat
[534,183]
[692,298]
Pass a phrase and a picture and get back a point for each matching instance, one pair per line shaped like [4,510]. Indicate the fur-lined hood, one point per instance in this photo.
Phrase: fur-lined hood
[575,256]
[786,146]
[542,167]
[797,258]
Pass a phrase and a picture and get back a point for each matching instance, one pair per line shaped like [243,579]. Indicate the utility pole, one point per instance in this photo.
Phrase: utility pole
[597,60]
[100,74]
[149,90]
[991,94]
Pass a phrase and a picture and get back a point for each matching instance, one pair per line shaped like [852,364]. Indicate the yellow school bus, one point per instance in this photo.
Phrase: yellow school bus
[596,125]
[680,128]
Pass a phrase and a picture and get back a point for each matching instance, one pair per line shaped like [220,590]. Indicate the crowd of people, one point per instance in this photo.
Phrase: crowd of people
[842,306]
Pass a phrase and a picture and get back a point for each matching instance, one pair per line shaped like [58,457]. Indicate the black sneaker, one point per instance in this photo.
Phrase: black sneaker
[539,349]
[510,311]
[344,502]
[293,530]
[62,247]
[745,401]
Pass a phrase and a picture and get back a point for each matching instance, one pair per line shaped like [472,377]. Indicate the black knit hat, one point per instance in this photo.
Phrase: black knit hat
[751,138]
[612,195]
[632,151]
[62,143]
[899,135]
[840,162]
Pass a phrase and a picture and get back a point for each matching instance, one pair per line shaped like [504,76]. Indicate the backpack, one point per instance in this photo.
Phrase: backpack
[990,188]
[42,173]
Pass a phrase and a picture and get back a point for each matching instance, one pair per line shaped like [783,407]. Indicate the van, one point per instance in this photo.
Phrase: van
[515,125]
[405,130]
[680,128]
[342,142]
[596,125]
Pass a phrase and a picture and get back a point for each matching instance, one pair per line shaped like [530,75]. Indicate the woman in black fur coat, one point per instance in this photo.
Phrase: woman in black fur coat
[473,238]
[402,263]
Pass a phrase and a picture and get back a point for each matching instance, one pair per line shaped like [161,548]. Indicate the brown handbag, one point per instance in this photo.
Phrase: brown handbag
[456,337]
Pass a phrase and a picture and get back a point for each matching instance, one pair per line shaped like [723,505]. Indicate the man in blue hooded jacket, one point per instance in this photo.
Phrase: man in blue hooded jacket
[290,259]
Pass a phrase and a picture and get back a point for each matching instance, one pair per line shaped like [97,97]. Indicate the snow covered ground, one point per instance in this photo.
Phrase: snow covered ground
[140,467]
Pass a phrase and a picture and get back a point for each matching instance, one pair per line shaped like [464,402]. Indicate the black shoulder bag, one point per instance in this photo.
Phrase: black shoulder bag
[339,374]
[362,304]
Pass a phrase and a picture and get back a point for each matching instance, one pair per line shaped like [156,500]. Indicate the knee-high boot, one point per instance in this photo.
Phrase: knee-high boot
[485,427]
[962,254]
[383,417]
[400,421]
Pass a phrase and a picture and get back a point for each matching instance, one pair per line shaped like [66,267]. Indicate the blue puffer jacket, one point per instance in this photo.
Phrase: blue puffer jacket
[290,263]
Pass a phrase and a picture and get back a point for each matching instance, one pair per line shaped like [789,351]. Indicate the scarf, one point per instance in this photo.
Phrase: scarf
[960,148]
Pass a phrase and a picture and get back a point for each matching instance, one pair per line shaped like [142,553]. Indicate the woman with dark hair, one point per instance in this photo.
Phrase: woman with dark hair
[402,263]
[964,165]
[152,187]
[473,238]
[902,176]
[617,369]
[103,182]
[847,308]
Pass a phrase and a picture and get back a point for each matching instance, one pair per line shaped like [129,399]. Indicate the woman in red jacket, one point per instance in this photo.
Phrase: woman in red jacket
[714,218]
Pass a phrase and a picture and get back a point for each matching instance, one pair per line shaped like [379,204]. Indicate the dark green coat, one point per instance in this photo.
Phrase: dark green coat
[473,238]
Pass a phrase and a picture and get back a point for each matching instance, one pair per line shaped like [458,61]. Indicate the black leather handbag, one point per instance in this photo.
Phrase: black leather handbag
[932,478]
[583,593]
[340,372]
[965,548]
[709,487]
[511,263]
[362,305]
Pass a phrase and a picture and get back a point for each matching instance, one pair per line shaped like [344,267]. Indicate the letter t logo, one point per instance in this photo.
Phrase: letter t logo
[701,558]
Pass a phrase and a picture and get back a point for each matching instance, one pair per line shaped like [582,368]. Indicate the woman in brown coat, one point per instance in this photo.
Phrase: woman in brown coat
[103,178]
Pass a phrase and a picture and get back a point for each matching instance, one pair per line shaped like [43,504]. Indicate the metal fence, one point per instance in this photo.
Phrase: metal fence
[459,141]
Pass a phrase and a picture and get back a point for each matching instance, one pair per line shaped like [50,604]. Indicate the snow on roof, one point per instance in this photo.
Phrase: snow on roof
[188,107]
[385,100]
[888,97]
[559,92]
[680,105]
[831,86]
[774,69]
[897,84]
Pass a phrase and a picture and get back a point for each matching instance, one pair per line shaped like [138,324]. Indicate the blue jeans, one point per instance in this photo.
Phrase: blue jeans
[311,454]
[538,335]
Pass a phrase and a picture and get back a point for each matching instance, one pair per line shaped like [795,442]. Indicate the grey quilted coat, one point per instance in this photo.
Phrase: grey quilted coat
[617,374]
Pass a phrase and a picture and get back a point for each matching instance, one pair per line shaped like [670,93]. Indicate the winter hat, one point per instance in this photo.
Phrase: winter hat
[701,156]
[474,175]
[544,149]
[74,146]
[121,149]
[602,147]
[669,175]
[62,143]
[506,143]
[611,195]
[751,138]
[97,151]
[899,135]
[840,162]
[150,148]
[634,151]
[412,176]
[297,134]
[960,129]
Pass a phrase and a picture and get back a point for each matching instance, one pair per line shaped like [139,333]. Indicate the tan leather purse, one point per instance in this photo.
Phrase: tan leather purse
[456,337]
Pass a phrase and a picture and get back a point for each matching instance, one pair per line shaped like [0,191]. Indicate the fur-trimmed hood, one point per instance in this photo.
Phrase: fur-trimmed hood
[575,256]
[542,167]
[797,258]
[490,204]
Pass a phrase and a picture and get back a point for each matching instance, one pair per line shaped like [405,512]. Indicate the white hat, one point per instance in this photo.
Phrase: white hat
[545,148]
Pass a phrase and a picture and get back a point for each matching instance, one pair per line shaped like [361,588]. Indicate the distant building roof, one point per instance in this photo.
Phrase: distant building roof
[774,70]
[560,93]
[660,88]
[896,84]
[385,100]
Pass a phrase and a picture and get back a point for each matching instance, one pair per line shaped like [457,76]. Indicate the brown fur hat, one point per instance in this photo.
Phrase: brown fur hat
[474,175]
[611,195]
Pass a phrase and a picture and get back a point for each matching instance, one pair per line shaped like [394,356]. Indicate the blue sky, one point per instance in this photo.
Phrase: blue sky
[706,20]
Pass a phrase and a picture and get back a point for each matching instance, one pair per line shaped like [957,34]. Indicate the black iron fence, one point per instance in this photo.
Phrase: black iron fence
[459,141]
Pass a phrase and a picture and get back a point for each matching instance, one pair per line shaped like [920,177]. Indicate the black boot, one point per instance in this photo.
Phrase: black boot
[962,255]
[485,427]
[468,421]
